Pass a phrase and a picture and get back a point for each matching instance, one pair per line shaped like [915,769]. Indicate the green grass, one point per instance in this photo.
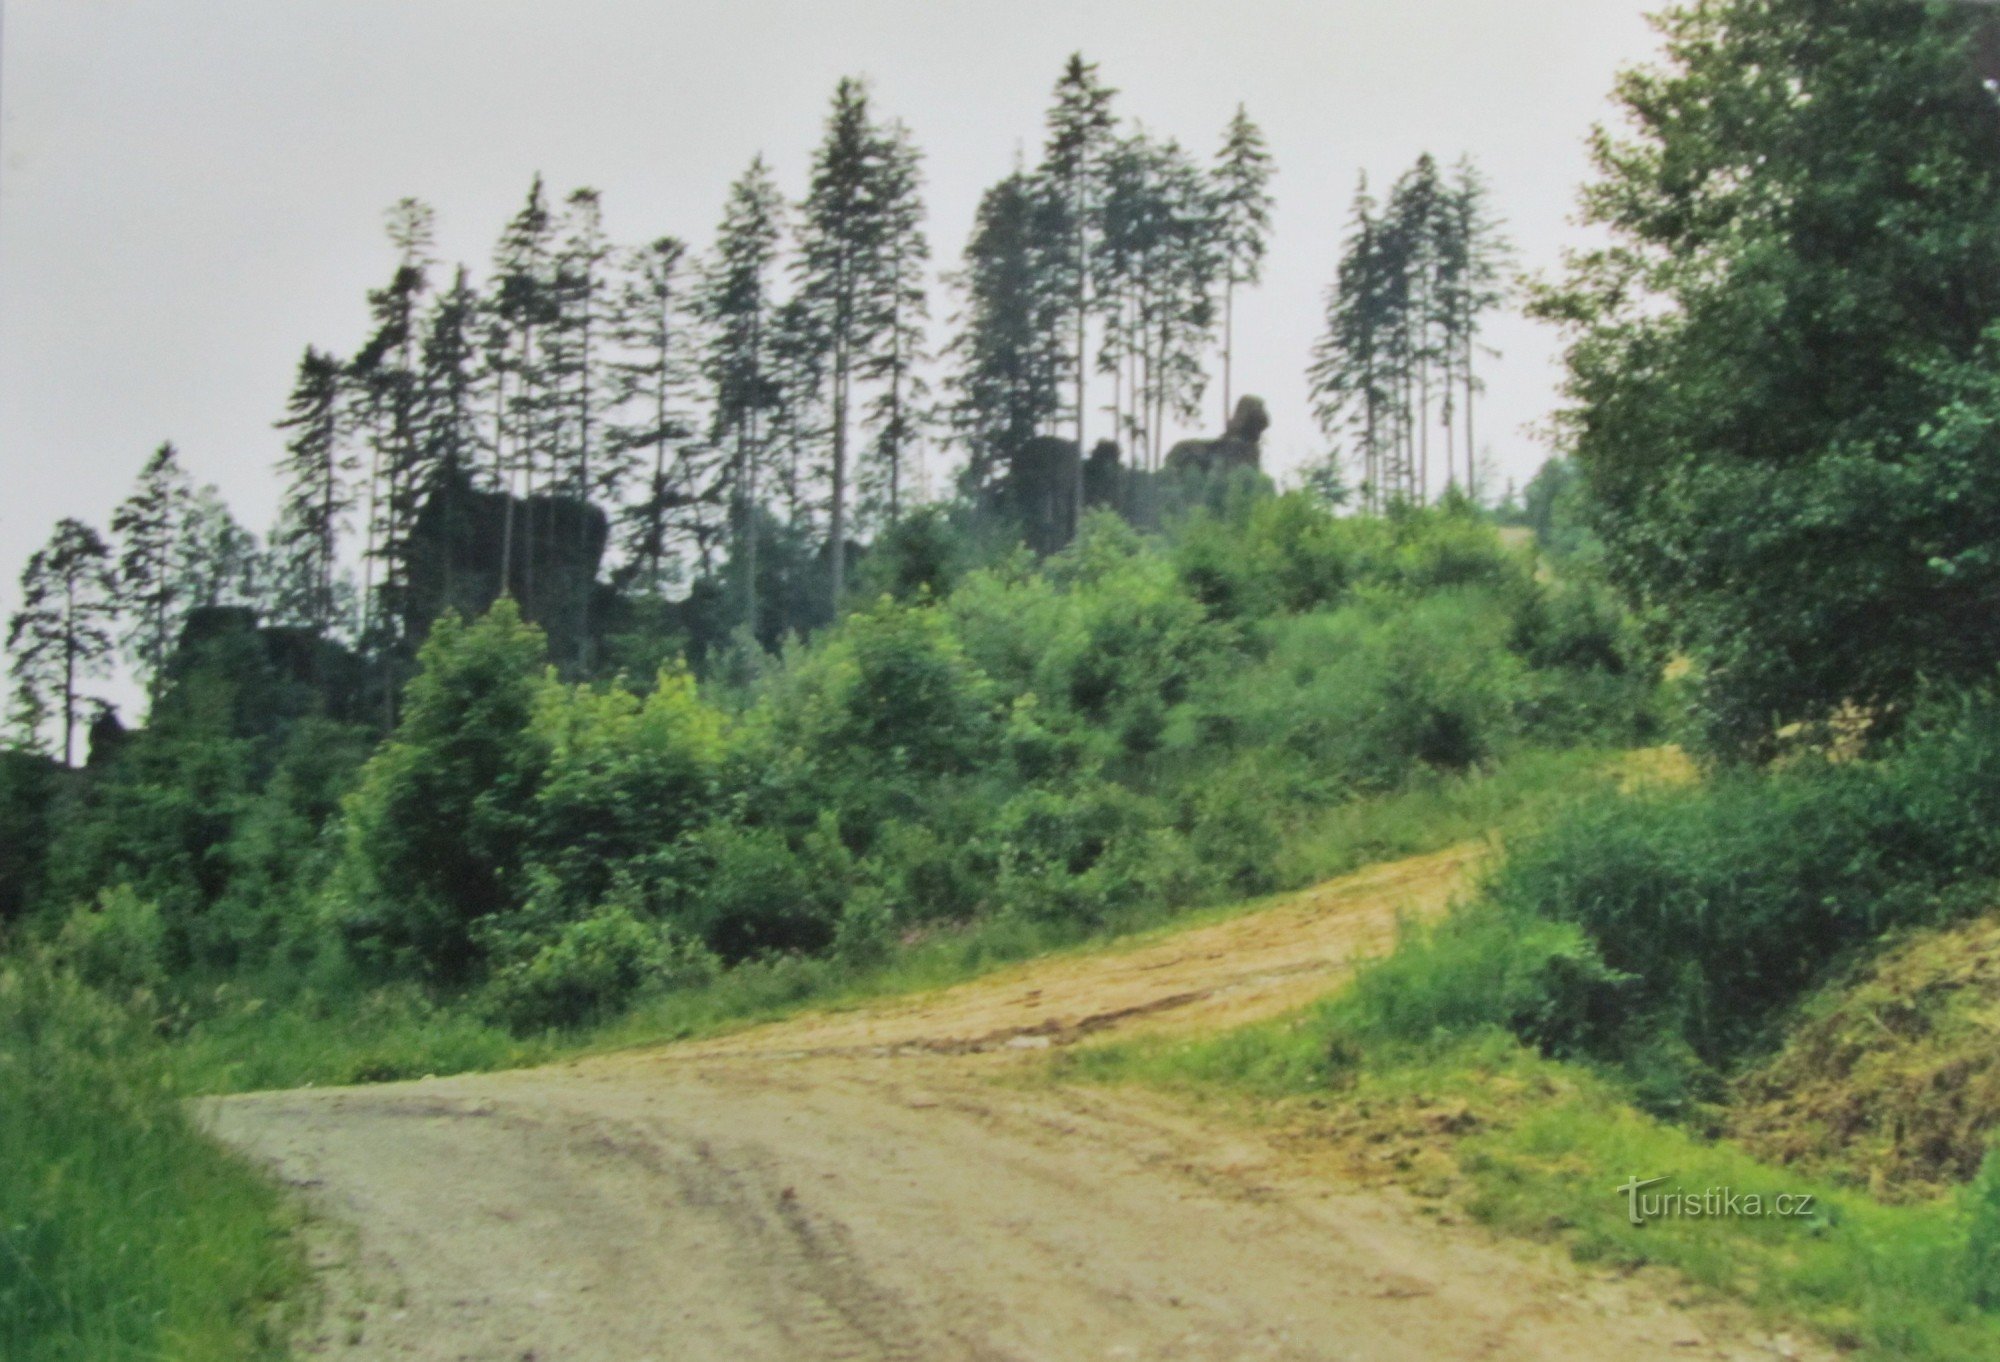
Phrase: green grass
[124,1232]
[342,1035]
[1539,1148]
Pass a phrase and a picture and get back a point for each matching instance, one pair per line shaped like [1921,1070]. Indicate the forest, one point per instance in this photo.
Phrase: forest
[659,637]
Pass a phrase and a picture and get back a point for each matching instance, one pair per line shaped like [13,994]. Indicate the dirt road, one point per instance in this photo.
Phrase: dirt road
[867,1185]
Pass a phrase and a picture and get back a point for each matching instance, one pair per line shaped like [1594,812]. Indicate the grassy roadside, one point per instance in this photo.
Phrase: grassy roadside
[124,1232]
[1541,1148]
[341,1035]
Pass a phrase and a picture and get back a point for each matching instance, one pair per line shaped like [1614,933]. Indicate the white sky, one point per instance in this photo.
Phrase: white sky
[192,190]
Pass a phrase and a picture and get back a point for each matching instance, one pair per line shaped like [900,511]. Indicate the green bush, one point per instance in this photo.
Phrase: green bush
[760,890]
[117,944]
[593,968]
[625,780]
[1079,855]
[1368,693]
[437,829]
[1725,902]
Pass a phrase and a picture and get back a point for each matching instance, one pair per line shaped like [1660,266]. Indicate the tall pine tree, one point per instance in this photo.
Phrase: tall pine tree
[900,296]
[149,526]
[1080,130]
[1008,361]
[654,325]
[317,497]
[1242,176]
[62,634]
[736,306]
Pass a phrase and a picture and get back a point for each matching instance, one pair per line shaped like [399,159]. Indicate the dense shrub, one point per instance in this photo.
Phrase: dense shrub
[1709,909]
[443,816]
[593,967]
[759,890]
[893,689]
[1366,693]
[625,780]
[116,944]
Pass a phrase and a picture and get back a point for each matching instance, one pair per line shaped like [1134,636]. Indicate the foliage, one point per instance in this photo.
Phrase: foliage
[61,635]
[1780,368]
[593,967]
[115,945]
[437,828]
[126,1233]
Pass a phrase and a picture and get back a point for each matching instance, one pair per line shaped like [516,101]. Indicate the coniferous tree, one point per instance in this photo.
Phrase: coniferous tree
[62,634]
[650,381]
[318,495]
[449,385]
[898,292]
[521,301]
[736,306]
[799,423]
[1243,204]
[1352,375]
[385,371]
[1080,129]
[1474,260]
[844,226]
[1415,225]
[149,526]
[576,354]
[218,561]
[1009,365]
[1157,259]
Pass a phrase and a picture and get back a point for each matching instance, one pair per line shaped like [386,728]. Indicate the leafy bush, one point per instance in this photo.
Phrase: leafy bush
[892,688]
[758,890]
[117,944]
[592,968]
[1724,903]
[1369,692]
[444,813]
[625,780]
[1081,854]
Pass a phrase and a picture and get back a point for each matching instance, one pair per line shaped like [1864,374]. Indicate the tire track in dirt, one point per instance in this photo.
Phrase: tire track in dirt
[856,1185]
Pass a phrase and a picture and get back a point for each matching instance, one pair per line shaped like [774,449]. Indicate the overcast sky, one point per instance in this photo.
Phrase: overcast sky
[192,190]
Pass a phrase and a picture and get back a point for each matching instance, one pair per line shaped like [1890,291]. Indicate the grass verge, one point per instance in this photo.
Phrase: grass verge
[1541,1148]
[124,1232]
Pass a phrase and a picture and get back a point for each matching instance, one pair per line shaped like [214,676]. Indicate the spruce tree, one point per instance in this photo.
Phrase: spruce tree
[318,494]
[218,561]
[149,526]
[385,371]
[653,323]
[1475,259]
[900,297]
[1008,362]
[843,226]
[576,354]
[449,385]
[1352,375]
[1080,128]
[521,300]
[62,634]
[1243,204]
[736,305]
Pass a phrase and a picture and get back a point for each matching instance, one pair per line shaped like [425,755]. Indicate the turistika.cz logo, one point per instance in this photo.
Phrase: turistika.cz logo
[1713,1203]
